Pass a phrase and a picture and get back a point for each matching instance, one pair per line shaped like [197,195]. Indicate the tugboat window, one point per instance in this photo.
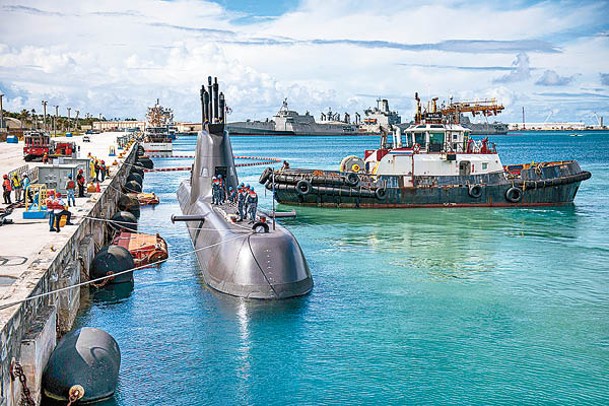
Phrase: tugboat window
[465,168]
[420,138]
[436,141]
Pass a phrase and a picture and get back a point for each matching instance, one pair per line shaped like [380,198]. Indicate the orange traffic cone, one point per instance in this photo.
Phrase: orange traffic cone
[97,188]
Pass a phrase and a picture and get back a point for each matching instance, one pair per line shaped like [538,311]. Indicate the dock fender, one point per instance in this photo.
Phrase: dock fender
[380,193]
[266,174]
[132,187]
[352,179]
[135,177]
[260,227]
[137,169]
[87,360]
[146,163]
[475,191]
[514,195]
[303,187]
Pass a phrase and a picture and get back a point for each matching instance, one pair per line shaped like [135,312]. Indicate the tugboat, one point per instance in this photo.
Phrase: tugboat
[255,261]
[433,163]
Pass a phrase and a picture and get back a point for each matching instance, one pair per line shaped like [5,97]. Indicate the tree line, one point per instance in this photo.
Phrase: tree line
[30,119]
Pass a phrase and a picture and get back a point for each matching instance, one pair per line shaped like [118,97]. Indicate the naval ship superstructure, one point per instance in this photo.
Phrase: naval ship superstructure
[159,131]
[290,122]
[380,118]
[262,261]
[494,128]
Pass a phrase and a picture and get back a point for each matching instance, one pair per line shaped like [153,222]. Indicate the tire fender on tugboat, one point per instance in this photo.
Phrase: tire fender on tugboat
[352,179]
[265,175]
[475,191]
[303,187]
[380,193]
[514,195]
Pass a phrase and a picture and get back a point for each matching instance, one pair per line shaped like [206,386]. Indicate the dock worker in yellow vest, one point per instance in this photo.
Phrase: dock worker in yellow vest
[92,160]
[17,186]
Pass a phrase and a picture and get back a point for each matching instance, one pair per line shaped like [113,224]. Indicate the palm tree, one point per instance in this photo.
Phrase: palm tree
[24,117]
[34,119]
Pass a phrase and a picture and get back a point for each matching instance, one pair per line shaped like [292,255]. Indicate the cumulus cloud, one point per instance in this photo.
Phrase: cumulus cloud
[551,78]
[105,57]
[520,71]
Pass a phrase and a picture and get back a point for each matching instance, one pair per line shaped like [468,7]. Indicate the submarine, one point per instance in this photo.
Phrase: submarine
[258,262]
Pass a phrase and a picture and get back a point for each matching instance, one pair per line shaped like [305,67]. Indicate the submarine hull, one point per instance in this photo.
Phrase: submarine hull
[240,262]
[234,258]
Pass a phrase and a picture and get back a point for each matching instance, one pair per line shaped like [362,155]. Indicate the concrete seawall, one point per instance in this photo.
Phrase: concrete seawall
[30,329]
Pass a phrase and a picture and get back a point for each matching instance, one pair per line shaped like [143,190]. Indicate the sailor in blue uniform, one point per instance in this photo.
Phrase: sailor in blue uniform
[215,186]
[232,195]
[241,202]
[252,202]
[246,189]
[221,190]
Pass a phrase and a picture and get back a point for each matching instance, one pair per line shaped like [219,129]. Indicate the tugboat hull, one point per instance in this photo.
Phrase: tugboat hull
[546,184]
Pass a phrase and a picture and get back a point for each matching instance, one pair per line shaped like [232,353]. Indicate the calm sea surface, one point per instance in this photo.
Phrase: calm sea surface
[443,306]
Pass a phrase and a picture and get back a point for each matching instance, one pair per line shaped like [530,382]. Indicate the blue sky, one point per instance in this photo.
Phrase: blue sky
[115,57]
[258,8]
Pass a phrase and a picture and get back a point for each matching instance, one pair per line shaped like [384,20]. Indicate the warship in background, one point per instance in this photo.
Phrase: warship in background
[494,128]
[290,122]
[160,130]
[379,118]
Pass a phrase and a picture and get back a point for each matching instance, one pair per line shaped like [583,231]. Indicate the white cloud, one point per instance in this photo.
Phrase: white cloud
[551,78]
[106,57]
[521,71]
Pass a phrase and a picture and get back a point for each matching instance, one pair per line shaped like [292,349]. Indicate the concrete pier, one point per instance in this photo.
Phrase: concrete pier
[34,261]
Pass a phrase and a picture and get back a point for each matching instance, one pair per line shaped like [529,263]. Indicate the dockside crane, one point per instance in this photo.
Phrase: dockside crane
[486,107]
[599,120]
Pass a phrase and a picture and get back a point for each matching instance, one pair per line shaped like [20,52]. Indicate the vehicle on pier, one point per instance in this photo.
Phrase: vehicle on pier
[433,163]
[37,144]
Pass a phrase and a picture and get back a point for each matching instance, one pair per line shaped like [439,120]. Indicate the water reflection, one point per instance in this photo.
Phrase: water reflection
[113,293]
[244,349]
[441,243]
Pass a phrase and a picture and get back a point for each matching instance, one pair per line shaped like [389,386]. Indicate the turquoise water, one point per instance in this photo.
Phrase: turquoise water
[437,306]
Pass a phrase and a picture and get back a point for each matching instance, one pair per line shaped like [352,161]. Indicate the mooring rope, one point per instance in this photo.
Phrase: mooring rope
[263,161]
[102,278]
